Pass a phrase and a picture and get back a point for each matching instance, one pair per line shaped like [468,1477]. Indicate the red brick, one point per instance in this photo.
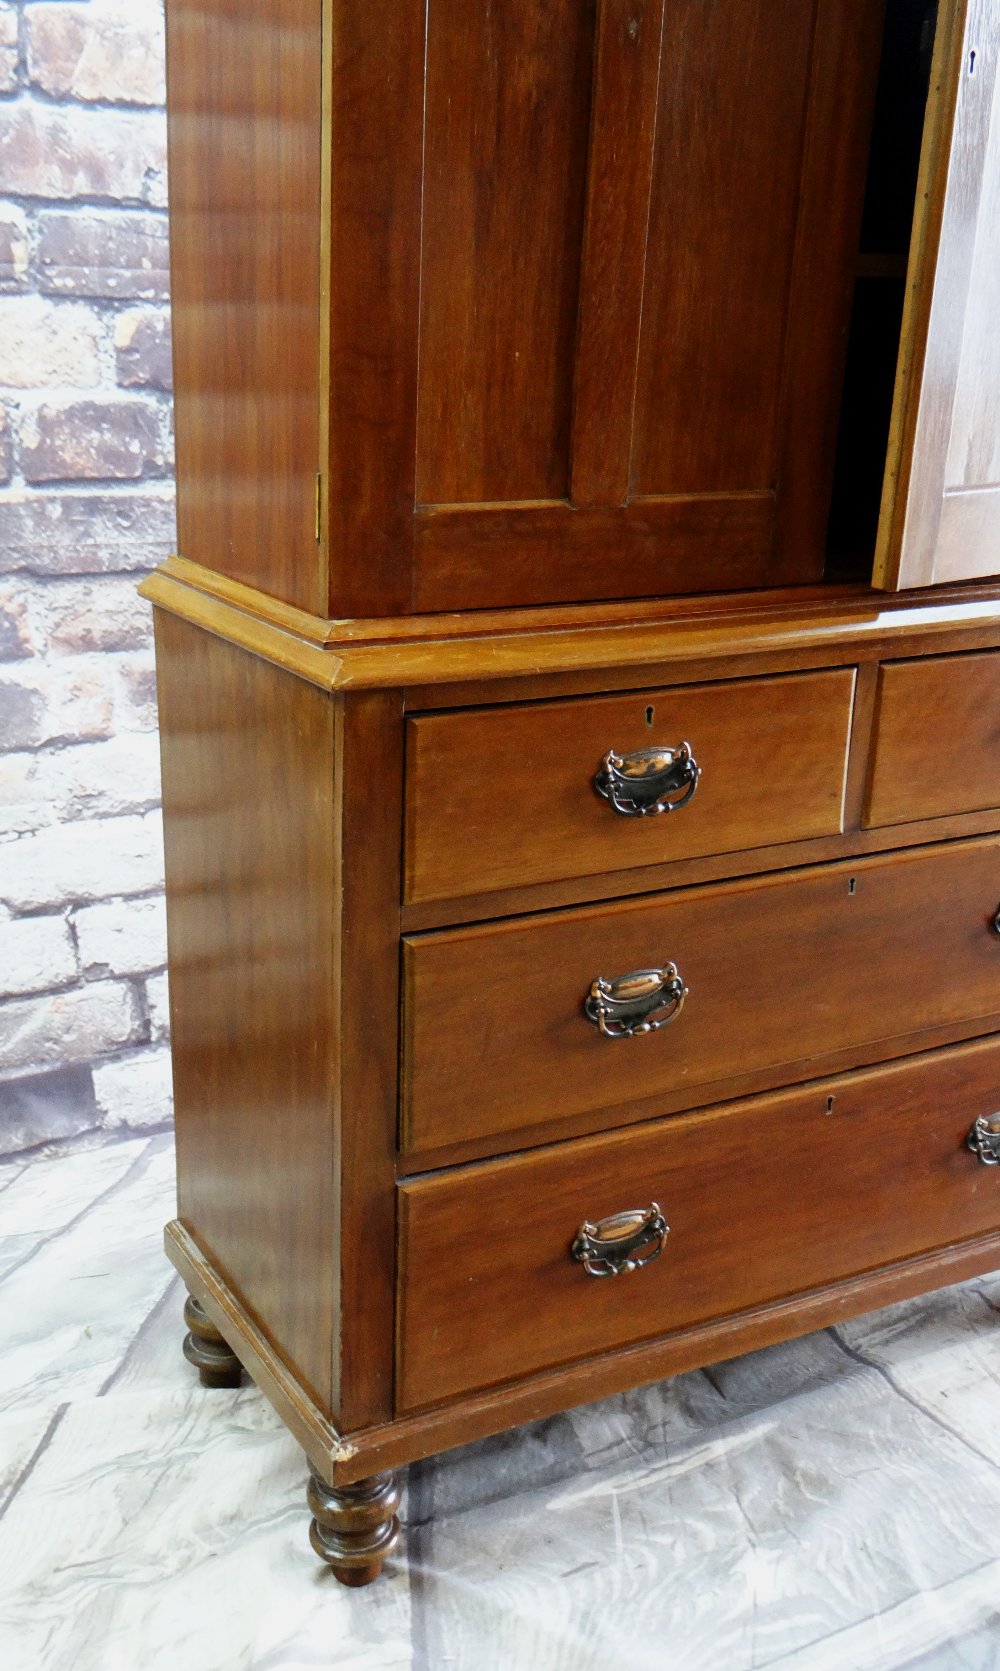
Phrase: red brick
[68,152]
[110,50]
[15,627]
[13,247]
[104,253]
[78,616]
[22,715]
[92,440]
[8,49]
[84,533]
[139,683]
[44,342]
[6,445]
[142,349]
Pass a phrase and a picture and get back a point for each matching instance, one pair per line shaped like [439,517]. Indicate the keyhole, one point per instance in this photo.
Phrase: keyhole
[829,1105]
[649,716]
[852,885]
[972,63]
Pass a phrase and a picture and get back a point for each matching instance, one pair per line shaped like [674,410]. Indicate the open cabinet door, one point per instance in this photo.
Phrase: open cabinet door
[940,518]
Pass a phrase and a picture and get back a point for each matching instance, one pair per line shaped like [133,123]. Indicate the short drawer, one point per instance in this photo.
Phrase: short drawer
[780,970]
[764,1198]
[936,748]
[502,797]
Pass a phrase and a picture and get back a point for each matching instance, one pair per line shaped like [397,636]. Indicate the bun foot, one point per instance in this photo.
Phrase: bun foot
[213,1358]
[354,1526]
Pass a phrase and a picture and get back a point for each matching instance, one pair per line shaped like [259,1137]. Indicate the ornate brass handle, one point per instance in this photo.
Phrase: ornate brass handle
[649,780]
[641,1002]
[624,1242]
[984,1139]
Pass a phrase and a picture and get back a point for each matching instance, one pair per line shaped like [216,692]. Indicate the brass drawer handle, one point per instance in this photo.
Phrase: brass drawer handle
[641,1002]
[624,1242]
[984,1139]
[644,782]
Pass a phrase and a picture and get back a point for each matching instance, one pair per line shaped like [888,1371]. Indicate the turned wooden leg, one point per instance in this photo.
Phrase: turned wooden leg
[215,1361]
[355,1526]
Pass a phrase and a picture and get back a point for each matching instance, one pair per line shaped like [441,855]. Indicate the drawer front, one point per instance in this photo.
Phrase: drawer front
[764,1198]
[936,747]
[779,970]
[772,754]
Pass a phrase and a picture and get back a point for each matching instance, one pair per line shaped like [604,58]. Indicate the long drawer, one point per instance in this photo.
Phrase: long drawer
[779,970]
[500,797]
[763,1198]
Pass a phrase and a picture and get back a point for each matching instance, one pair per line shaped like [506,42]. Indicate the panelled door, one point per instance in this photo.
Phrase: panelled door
[590,271]
[941,503]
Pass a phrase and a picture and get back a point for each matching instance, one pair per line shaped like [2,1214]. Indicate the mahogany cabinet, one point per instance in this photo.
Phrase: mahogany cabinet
[580,696]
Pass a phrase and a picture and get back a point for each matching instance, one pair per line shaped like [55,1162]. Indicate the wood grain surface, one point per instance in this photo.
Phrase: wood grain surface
[780,970]
[613,268]
[764,1198]
[725,199]
[953,701]
[283,912]
[772,753]
[250,845]
[245,164]
[458,659]
[374,136]
[507,114]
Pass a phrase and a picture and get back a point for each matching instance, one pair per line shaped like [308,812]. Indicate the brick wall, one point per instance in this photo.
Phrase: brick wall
[86,506]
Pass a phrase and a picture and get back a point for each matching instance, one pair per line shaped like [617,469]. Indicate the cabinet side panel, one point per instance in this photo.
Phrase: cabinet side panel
[244,99]
[248,791]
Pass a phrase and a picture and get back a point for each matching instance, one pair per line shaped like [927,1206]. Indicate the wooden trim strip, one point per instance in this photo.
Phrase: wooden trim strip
[367,889]
[376,134]
[341,1458]
[437,651]
[483,623]
[249,632]
[689,873]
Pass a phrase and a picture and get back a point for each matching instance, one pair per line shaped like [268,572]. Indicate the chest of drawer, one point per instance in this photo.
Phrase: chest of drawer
[764,1198]
[936,745]
[506,796]
[779,970]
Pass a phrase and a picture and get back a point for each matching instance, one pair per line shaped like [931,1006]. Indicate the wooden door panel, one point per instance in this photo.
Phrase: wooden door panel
[721,237]
[505,145]
[941,505]
[635,226]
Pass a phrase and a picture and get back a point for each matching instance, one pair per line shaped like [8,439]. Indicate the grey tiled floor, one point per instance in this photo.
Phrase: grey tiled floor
[828,1505]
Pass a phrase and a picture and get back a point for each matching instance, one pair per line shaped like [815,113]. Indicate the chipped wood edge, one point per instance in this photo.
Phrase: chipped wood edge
[323,1445]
